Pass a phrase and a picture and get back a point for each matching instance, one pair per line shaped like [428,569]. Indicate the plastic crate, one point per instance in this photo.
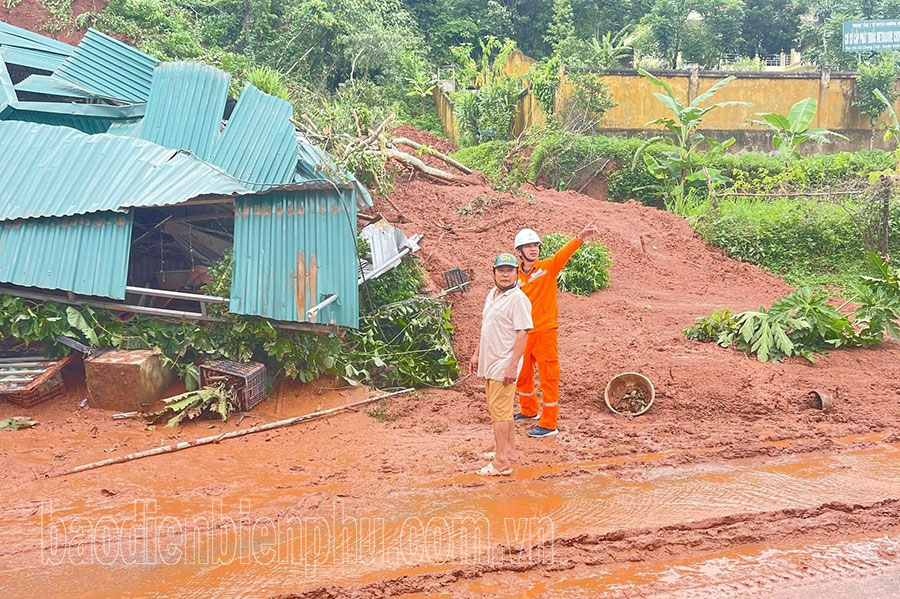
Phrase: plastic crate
[44,385]
[247,380]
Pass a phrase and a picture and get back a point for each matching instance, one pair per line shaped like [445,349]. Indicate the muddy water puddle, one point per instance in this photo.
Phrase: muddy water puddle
[255,545]
[867,567]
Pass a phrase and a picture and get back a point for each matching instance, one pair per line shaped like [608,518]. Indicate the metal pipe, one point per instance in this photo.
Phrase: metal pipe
[385,267]
[294,326]
[195,297]
[312,312]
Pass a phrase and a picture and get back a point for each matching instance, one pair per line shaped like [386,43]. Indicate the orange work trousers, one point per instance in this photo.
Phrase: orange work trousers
[540,350]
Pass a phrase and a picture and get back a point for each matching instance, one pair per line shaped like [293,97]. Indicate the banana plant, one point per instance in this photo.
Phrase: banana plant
[792,131]
[892,129]
[675,163]
[420,84]
[609,50]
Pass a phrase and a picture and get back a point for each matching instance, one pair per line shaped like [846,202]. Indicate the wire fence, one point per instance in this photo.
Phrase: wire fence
[867,204]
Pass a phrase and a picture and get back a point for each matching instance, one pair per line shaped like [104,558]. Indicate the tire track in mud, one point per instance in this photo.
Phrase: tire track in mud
[577,557]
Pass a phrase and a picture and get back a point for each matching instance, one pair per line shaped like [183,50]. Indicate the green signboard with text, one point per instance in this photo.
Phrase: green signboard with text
[868,36]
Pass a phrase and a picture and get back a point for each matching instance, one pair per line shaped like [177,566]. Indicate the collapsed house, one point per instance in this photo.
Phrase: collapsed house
[123,178]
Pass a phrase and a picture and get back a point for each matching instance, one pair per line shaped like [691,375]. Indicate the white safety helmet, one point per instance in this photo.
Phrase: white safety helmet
[526,236]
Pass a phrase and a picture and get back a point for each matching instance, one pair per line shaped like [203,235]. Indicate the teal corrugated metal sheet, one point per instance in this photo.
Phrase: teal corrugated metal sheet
[185,108]
[33,59]
[52,86]
[275,233]
[62,172]
[7,91]
[258,145]
[108,67]
[102,111]
[16,36]
[86,254]
[315,165]
[87,125]
[126,128]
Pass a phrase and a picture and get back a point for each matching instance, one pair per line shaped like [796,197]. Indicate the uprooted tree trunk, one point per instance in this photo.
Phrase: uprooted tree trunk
[375,143]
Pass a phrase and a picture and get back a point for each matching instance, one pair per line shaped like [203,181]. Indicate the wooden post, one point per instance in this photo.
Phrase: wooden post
[885,214]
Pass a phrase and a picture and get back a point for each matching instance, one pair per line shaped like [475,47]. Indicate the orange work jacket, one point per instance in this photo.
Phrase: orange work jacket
[540,286]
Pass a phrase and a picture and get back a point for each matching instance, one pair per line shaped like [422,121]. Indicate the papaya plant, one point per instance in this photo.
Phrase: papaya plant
[793,130]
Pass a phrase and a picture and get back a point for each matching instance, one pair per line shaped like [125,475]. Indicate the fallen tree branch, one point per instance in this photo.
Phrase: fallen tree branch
[416,163]
[432,152]
[217,438]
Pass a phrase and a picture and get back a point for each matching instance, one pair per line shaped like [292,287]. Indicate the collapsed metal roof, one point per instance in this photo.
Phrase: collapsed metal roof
[109,68]
[59,171]
[152,135]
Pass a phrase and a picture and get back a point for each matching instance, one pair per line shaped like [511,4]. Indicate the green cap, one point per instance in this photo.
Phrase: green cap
[506,259]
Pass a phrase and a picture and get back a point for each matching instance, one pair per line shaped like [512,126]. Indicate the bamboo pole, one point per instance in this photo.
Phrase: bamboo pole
[221,437]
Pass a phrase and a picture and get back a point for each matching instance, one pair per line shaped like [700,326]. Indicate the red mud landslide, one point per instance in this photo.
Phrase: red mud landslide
[33,16]
[731,484]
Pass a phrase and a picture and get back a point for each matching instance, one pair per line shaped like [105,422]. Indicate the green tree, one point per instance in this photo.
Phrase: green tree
[876,75]
[821,36]
[716,33]
[667,21]
[561,32]
[770,27]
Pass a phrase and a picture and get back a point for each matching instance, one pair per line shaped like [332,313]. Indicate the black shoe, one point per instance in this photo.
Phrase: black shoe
[521,416]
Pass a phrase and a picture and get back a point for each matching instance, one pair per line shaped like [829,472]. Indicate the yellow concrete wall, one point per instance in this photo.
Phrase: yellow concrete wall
[767,92]
[528,114]
[518,64]
[636,103]
[444,108]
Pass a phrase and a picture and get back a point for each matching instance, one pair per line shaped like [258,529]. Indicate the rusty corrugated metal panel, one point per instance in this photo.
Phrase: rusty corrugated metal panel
[108,67]
[84,254]
[63,172]
[292,250]
[185,108]
[258,145]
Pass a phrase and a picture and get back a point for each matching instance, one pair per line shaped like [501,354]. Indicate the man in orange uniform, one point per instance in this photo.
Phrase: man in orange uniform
[537,278]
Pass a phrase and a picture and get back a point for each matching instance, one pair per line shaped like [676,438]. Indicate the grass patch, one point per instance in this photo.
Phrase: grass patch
[487,157]
[807,244]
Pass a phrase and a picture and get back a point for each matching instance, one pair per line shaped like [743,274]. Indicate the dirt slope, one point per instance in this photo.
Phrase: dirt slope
[34,16]
[663,277]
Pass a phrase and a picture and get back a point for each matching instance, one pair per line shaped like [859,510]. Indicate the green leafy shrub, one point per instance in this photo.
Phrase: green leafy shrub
[488,113]
[588,269]
[406,343]
[397,284]
[804,323]
[591,98]
[544,79]
[403,338]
